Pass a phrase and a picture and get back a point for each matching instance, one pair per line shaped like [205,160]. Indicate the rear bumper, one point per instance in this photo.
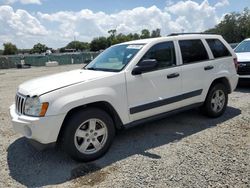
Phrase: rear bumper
[234,82]
[44,130]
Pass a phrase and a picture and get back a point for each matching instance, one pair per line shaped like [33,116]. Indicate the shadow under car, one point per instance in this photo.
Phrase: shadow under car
[35,169]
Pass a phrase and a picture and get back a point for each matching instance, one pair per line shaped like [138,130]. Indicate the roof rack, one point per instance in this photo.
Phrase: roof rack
[176,34]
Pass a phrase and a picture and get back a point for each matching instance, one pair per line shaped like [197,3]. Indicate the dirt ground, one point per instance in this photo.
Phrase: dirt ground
[184,150]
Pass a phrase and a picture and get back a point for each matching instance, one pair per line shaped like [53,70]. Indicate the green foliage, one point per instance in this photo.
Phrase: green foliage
[78,46]
[156,33]
[97,44]
[100,43]
[9,49]
[145,34]
[62,50]
[234,27]
[39,48]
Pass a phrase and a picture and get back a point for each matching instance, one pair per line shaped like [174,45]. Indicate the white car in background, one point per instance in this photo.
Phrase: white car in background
[243,54]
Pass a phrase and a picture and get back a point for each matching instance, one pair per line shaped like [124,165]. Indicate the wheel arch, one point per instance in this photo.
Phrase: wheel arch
[103,105]
[224,81]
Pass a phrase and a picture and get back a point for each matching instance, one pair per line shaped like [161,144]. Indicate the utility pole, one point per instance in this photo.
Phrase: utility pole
[75,41]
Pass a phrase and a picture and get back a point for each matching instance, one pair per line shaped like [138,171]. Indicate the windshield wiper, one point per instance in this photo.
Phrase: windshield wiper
[101,69]
[91,68]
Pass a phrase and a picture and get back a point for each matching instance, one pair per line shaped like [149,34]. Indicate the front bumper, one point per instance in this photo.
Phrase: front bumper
[244,76]
[44,130]
[244,69]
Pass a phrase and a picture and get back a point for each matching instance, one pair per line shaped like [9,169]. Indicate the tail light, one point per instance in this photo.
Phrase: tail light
[236,64]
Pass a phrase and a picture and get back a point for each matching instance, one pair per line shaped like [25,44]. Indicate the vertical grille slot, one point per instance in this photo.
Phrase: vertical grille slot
[20,102]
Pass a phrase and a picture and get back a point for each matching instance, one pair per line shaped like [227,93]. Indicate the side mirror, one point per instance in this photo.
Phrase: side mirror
[144,66]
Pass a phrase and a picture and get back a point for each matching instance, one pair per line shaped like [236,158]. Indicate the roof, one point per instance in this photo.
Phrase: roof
[175,37]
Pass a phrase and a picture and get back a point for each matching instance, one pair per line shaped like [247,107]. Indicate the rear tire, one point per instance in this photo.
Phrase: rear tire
[88,134]
[216,101]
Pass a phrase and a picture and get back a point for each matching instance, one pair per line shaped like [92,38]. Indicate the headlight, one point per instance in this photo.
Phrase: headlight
[33,107]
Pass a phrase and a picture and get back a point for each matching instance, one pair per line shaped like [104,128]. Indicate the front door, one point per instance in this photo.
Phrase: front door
[155,91]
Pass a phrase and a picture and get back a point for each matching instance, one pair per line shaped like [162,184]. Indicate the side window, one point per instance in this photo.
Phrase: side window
[164,53]
[192,51]
[218,48]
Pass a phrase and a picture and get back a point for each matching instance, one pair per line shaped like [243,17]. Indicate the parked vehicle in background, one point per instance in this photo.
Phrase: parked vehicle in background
[126,85]
[233,45]
[48,52]
[243,54]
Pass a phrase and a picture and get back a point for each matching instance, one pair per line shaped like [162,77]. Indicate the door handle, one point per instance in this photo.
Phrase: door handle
[210,67]
[174,75]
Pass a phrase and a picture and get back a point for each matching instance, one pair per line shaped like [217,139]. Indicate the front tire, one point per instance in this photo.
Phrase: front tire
[88,134]
[216,101]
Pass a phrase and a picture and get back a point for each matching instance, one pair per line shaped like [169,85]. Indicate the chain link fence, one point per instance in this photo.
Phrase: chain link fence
[15,61]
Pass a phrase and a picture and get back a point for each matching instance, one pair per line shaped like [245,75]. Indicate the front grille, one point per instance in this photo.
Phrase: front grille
[20,103]
[244,68]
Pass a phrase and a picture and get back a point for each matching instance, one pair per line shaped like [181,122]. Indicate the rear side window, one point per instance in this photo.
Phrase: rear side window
[193,51]
[164,53]
[218,48]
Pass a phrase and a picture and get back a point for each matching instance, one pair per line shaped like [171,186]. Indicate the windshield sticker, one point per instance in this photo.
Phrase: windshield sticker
[136,47]
[129,56]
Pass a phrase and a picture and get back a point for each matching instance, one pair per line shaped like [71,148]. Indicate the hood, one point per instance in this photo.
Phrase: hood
[243,57]
[49,83]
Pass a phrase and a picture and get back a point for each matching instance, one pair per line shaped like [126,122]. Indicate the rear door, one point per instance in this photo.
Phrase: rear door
[197,70]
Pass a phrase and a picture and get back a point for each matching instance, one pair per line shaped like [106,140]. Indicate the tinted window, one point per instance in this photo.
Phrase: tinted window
[192,51]
[218,48]
[164,53]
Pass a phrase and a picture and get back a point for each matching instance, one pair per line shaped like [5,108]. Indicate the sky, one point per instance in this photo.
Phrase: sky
[57,22]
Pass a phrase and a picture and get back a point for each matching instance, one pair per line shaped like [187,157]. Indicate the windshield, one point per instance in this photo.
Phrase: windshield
[114,58]
[243,47]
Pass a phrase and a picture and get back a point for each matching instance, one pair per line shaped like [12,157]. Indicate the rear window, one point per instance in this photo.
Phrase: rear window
[193,51]
[218,48]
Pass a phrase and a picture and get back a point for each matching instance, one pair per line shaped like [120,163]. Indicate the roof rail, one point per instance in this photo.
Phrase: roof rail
[176,34]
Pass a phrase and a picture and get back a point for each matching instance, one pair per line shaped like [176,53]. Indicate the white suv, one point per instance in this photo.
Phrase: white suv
[127,84]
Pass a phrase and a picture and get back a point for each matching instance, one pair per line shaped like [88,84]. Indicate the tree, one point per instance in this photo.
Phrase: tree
[244,21]
[102,43]
[145,34]
[112,37]
[39,48]
[78,46]
[9,49]
[62,50]
[136,36]
[156,33]
[234,27]
[121,38]
[112,33]
[98,44]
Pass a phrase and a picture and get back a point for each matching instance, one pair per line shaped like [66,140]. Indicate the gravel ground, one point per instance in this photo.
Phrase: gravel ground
[185,150]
